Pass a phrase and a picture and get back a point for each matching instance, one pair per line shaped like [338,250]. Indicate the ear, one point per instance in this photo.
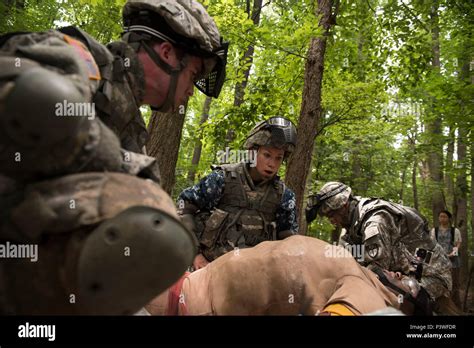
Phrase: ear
[166,51]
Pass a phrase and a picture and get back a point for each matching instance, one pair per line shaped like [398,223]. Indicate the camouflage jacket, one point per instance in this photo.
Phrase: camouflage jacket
[111,77]
[390,234]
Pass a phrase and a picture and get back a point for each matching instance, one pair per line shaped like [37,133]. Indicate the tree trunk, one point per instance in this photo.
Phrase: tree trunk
[198,146]
[402,187]
[413,183]
[434,128]
[246,64]
[461,198]
[165,137]
[472,193]
[300,161]
[248,55]
[358,182]
[448,178]
[412,141]
[461,182]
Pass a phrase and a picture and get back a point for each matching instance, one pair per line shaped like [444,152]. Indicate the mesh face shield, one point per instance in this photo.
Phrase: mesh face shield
[212,80]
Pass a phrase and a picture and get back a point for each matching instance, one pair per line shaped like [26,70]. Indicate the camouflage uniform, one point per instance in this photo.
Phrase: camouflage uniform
[390,234]
[227,219]
[70,185]
[90,145]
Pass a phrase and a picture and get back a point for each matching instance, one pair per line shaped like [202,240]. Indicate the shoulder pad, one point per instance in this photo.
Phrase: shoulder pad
[231,167]
[83,52]
[101,54]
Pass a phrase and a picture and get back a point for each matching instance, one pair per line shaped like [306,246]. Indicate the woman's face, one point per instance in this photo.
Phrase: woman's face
[443,219]
[269,160]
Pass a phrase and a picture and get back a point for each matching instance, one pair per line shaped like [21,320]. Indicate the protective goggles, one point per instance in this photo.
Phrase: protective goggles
[282,131]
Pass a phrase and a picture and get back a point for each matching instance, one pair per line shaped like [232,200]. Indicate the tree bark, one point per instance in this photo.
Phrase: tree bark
[413,183]
[239,92]
[198,147]
[358,181]
[461,182]
[412,141]
[434,128]
[448,178]
[165,137]
[461,198]
[248,55]
[472,192]
[402,187]
[300,161]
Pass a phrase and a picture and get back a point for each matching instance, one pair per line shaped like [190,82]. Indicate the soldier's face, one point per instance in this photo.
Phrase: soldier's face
[158,82]
[339,217]
[185,86]
[269,160]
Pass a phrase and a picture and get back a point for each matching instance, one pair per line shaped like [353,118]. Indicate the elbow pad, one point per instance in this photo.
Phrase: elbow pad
[34,111]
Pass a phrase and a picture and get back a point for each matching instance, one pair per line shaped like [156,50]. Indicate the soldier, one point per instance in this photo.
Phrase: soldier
[240,205]
[107,240]
[393,237]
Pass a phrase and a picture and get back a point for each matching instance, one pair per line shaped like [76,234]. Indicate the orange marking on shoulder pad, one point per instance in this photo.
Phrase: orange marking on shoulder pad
[85,54]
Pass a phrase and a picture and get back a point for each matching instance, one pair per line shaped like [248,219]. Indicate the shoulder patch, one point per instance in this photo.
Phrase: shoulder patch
[84,53]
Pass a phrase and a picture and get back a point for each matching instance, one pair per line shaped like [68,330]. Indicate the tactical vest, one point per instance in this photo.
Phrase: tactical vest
[245,215]
[410,221]
[446,240]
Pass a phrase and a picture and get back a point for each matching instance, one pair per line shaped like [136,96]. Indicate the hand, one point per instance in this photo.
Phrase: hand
[199,262]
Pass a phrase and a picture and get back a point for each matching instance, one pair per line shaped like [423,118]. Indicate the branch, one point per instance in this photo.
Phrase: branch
[375,13]
[415,17]
[336,11]
[270,46]
[333,120]
[257,13]
[297,76]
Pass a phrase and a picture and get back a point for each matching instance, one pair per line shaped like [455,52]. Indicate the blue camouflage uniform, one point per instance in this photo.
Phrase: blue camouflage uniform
[212,192]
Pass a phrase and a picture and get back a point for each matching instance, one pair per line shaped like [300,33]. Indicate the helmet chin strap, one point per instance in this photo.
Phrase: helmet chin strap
[174,75]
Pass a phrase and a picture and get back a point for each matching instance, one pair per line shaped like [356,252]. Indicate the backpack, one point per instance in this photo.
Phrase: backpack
[453,230]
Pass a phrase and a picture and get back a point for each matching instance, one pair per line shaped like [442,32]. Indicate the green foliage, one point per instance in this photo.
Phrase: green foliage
[379,87]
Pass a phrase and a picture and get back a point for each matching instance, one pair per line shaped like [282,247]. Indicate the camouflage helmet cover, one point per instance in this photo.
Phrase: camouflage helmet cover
[187,24]
[333,195]
[186,17]
[261,135]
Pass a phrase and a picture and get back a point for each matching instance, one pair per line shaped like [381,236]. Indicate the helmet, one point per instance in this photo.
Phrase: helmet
[277,132]
[185,24]
[333,195]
